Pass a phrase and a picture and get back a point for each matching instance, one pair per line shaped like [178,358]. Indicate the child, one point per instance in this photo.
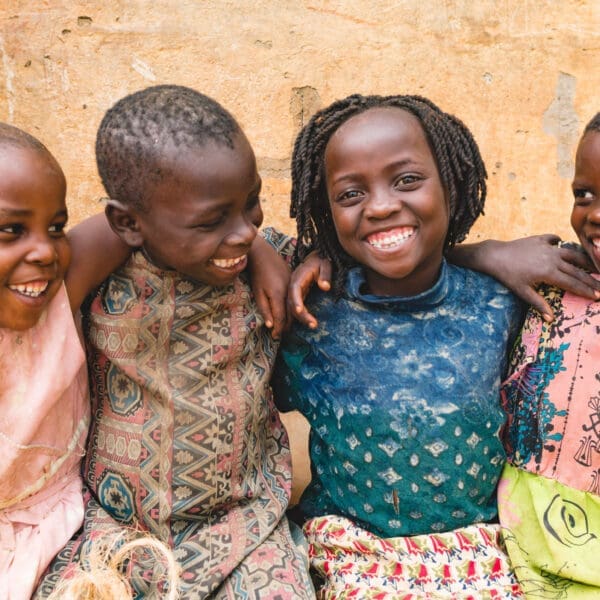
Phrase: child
[44,404]
[549,494]
[185,441]
[400,383]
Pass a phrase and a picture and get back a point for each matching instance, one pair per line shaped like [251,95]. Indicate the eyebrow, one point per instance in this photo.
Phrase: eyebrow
[16,213]
[400,163]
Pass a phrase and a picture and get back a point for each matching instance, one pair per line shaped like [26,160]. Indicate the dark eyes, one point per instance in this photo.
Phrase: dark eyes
[251,204]
[12,229]
[405,182]
[349,195]
[210,224]
[583,196]
[57,229]
[17,229]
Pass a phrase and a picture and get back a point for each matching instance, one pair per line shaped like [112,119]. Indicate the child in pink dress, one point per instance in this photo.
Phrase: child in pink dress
[549,494]
[44,406]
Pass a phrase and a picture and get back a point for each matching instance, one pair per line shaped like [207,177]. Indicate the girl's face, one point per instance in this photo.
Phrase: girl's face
[585,218]
[34,252]
[387,200]
[202,218]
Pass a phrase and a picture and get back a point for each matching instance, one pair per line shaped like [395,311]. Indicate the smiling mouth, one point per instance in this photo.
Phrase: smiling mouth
[389,239]
[33,289]
[228,263]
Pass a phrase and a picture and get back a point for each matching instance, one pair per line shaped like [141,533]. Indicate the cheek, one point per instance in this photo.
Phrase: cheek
[340,224]
[6,265]
[577,217]
[63,251]
[257,216]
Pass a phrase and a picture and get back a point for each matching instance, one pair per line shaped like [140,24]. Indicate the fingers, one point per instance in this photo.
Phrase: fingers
[324,281]
[264,307]
[302,280]
[549,238]
[575,257]
[531,297]
[297,308]
[279,313]
[577,281]
[274,312]
[314,269]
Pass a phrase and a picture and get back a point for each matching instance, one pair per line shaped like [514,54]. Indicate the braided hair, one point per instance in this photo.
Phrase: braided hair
[137,131]
[457,156]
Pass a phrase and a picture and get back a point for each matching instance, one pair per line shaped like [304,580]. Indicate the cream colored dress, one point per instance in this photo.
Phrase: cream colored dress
[44,417]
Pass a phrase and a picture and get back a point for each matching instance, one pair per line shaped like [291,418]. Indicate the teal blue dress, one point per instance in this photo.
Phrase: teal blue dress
[402,394]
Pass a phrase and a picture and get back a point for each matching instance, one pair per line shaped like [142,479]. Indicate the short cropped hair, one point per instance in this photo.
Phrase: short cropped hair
[137,131]
[13,136]
[593,125]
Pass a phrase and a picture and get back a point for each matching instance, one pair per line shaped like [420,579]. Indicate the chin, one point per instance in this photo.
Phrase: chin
[21,324]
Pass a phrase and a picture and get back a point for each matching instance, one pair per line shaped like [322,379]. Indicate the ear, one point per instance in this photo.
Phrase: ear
[123,221]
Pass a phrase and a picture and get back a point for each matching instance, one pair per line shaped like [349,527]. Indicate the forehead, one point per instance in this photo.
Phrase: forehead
[588,152]
[379,125]
[27,171]
[213,168]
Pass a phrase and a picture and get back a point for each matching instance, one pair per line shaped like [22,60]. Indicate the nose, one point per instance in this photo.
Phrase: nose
[381,204]
[243,233]
[593,214]
[42,250]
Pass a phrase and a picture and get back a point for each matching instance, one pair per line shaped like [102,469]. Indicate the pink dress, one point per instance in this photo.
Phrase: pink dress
[44,417]
[549,493]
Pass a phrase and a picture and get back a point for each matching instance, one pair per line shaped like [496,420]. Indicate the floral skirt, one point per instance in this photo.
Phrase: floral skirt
[468,563]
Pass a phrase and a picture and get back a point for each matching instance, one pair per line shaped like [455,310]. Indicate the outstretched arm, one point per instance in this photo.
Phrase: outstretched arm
[96,252]
[521,265]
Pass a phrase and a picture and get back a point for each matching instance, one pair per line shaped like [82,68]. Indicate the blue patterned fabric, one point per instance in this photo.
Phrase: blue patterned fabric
[403,399]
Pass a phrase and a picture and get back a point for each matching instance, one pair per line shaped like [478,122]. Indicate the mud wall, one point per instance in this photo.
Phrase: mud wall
[522,74]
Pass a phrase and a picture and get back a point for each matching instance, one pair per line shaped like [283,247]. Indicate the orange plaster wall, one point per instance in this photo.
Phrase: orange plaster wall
[523,74]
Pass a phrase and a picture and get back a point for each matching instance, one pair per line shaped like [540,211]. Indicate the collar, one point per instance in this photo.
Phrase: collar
[356,283]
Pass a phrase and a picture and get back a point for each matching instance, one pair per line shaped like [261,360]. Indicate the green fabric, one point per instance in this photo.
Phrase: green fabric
[552,534]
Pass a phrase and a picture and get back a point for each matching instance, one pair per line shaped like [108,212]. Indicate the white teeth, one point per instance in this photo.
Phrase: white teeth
[33,289]
[227,263]
[596,243]
[390,241]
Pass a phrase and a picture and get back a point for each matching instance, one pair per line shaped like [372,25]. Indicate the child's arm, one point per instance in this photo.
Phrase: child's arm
[314,269]
[521,265]
[270,276]
[96,251]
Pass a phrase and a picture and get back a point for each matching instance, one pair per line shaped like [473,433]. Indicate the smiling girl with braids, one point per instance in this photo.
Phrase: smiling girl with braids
[400,383]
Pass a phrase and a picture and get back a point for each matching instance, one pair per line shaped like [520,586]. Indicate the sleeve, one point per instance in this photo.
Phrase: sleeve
[287,381]
[283,244]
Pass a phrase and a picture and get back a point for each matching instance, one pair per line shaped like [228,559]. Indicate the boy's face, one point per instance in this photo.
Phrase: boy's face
[585,218]
[387,200]
[34,252]
[202,218]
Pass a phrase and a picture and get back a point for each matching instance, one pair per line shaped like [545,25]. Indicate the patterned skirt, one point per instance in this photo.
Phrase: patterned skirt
[468,563]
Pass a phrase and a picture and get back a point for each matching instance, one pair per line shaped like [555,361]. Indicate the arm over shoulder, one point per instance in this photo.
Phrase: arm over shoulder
[96,252]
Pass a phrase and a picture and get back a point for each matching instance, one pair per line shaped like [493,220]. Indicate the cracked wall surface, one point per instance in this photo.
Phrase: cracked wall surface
[523,75]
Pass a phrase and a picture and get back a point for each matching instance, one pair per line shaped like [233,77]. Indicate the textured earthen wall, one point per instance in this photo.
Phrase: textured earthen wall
[523,74]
